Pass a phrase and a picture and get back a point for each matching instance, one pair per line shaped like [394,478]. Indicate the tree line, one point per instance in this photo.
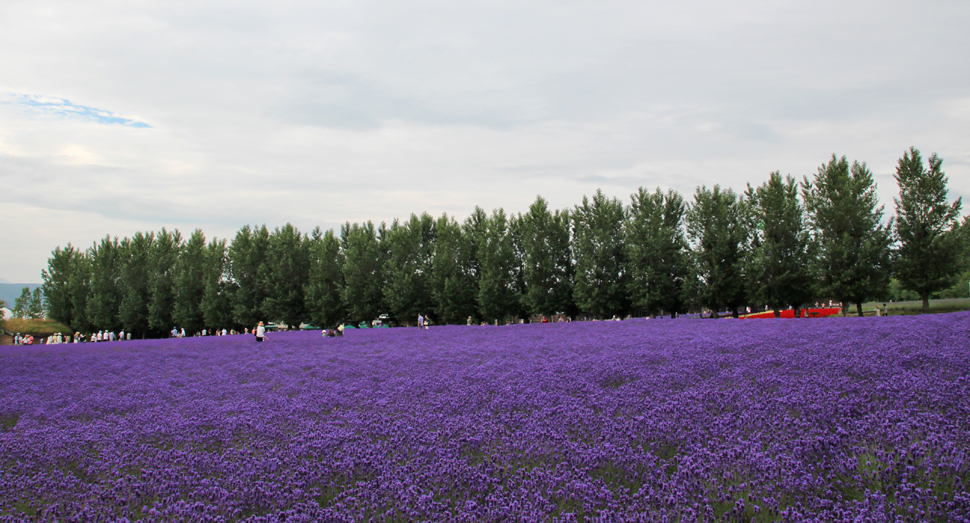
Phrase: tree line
[781,244]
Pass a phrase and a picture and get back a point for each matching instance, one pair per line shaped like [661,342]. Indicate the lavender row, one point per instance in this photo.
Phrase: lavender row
[796,420]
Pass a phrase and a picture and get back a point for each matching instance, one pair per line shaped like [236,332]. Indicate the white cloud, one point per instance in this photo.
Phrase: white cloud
[321,112]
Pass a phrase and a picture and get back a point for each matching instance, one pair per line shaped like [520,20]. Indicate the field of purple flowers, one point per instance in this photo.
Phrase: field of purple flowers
[843,419]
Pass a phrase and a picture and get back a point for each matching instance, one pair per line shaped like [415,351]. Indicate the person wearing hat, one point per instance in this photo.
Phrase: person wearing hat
[260,332]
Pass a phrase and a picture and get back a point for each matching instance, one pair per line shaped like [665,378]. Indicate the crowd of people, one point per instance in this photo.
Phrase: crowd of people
[180,333]
[259,332]
[58,338]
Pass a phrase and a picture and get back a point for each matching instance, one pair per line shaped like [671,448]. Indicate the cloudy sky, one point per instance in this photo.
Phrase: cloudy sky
[117,117]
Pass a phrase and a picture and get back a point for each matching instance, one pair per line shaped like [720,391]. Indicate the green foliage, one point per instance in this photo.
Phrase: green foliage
[36,327]
[657,255]
[136,272]
[498,296]
[22,305]
[105,298]
[410,248]
[781,262]
[854,256]
[363,270]
[65,286]
[324,305]
[547,267]
[717,226]
[931,254]
[453,281]
[168,246]
[598,237]
[216,299]
[597,257]
[247,290]
[285,272]
[189,275]
[36,309]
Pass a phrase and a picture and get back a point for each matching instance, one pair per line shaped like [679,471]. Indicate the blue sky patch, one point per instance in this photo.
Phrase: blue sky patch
[66,108]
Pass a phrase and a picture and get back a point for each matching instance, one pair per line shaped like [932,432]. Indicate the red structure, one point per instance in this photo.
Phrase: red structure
[790,313]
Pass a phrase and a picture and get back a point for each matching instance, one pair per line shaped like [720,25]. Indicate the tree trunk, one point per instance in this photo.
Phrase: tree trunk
[777,313]
[713,314]
[798,312]
[845,308]
[735,314]
[858,308]
[926,303]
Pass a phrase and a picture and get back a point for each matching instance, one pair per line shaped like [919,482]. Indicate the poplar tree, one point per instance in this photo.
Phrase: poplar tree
[498,298]
[36,309]
[854,246]
[324,305]
[363,271]
[168,246]
[284,273]
[657,256]
[136,270]
[21,305]
[546,259]
[454,284]
[247,254]
[926,224]
[189,284]
[780,247]
[105,300]
[599,286]
[717,227]
[410,246]
[65,286]
[216,303]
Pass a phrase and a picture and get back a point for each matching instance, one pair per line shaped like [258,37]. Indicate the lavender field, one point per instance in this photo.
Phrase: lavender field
[842,419]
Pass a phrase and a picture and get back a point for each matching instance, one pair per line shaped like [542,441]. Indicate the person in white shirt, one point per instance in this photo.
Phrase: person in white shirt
[260,332]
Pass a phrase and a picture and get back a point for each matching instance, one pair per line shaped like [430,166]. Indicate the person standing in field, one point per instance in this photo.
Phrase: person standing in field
[260,332]
[420,321]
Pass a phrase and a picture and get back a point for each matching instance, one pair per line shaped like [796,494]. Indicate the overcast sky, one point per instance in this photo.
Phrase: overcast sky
[117,117]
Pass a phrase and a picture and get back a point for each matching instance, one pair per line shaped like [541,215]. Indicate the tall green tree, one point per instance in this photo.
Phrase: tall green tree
[37,309]
[547,259]
[929,251]
[363,271]
[247,254]
[410,248]
[21,305]
[717,227]
[517,239]
[657,253]
[453,282]
[167,247]
[599,287]
[105,300]
[781,247]
[286,270]
[136,271]
[854,253]
[64,279]
[216,300]
[498,297]
[188,280]
[324,305]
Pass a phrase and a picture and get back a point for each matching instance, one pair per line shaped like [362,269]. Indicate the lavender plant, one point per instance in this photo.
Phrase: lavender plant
[841,419]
